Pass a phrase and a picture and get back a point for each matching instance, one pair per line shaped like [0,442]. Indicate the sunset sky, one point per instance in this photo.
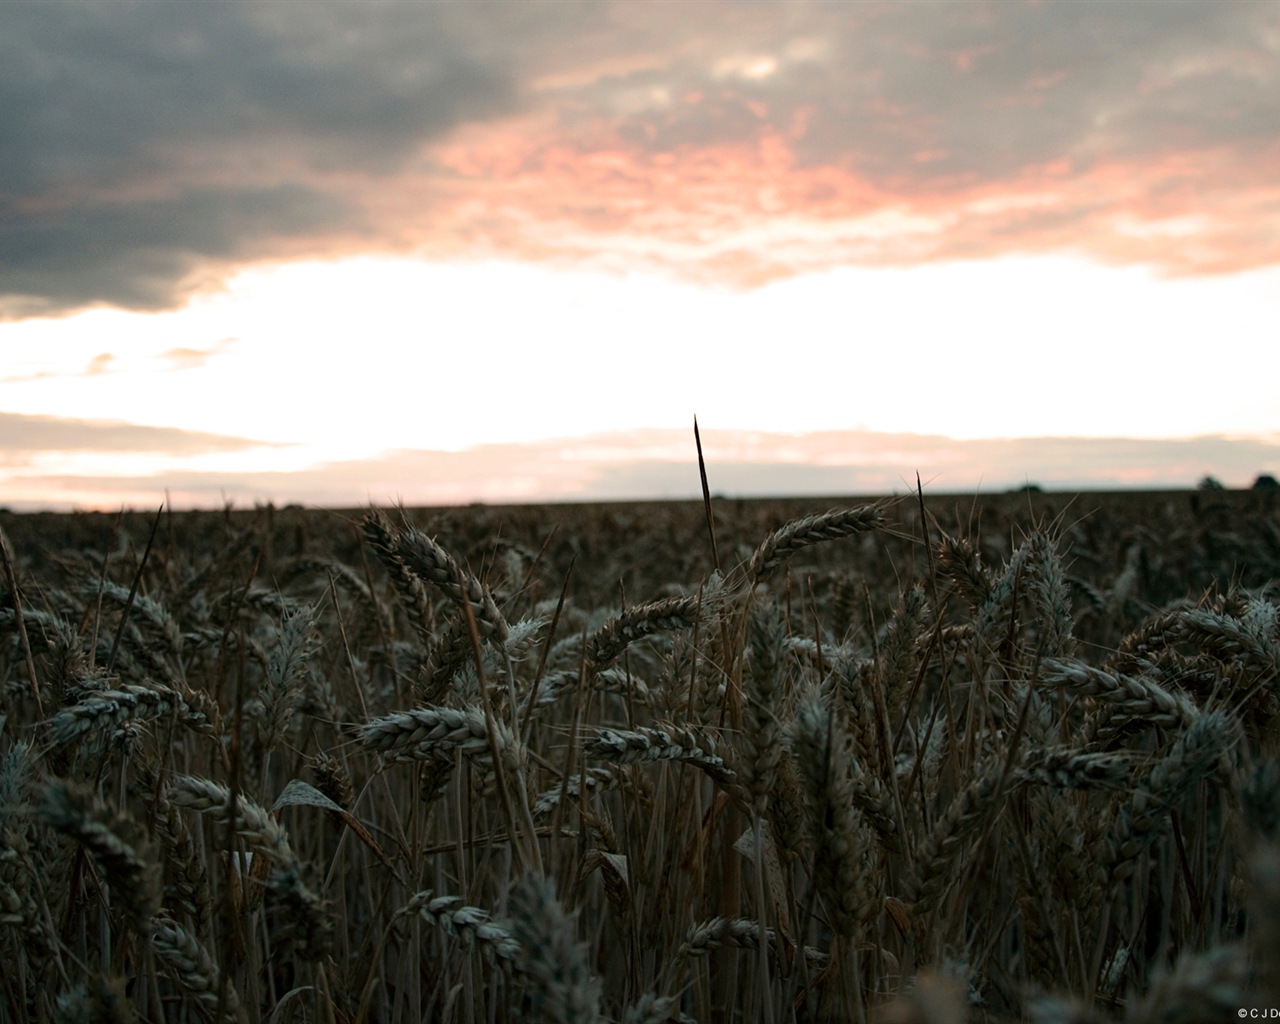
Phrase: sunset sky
[435,252]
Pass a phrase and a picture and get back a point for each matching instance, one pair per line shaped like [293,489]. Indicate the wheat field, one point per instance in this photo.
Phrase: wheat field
[928,759]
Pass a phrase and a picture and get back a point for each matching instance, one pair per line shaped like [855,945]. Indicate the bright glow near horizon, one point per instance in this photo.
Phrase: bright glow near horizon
[354,357]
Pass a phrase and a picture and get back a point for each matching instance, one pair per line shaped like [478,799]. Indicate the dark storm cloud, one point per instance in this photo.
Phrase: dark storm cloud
[99,92]
[140,140]
[148,148]
[135,254]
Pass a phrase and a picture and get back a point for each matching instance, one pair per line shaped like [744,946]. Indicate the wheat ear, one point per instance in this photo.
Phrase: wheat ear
[195,969]
[561,988]
[432,733]
[470,924]
[78,813]
[253,823]
[801,533]
[843,865]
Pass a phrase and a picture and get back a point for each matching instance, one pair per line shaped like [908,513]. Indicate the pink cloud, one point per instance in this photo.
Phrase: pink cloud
[748,212]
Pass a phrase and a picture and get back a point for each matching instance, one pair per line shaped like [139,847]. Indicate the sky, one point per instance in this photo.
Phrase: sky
[341,253]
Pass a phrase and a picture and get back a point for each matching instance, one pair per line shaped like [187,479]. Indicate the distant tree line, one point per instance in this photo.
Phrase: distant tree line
[1263,482]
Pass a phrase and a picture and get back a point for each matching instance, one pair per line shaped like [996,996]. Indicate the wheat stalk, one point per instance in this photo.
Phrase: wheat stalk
[664,742]
[843,864]
[77,812]
[802,533]
[253,823]
[196,970]
[1130,696]
[616,635]
[430,733]
[561,988]
[105,711]
[471,924]
[432,564]
[1193,756]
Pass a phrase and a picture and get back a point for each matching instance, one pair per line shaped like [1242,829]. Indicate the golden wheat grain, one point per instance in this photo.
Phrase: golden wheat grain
[958,560]
[951,834]
[186,877]
[413,595]
[303,918]
[761,747]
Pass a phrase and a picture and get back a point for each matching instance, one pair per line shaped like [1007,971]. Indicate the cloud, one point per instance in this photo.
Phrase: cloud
[99,365]
[105,364]
[148,150]
[182,358]
[662,464]
[143,147]
[898,134]
[22,437]
[147,254]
